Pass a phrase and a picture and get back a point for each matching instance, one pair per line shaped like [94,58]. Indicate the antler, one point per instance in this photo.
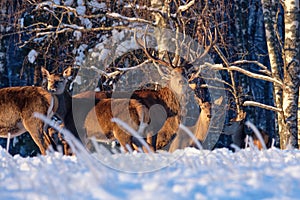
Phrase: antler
[148,54]
[207,43]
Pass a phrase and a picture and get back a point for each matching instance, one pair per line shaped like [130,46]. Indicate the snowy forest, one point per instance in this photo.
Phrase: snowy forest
[201,78]
[253,45]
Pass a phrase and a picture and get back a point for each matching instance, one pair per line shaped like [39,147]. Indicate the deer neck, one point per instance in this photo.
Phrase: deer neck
[64,102]
[171,99]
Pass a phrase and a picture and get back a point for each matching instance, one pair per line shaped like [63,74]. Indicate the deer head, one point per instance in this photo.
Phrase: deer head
[56,83]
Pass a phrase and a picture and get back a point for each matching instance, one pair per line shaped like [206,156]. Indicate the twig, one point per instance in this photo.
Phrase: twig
[254,103]
[246,72]
[130,19]
[265,69]
[186,6]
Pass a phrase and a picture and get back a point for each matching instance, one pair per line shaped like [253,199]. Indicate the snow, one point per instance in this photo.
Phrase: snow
[86,22]
[32,55]
[184,174]
[81,10]
[77,35]
[68,2]
[57,2]
[80,55]
[96,6]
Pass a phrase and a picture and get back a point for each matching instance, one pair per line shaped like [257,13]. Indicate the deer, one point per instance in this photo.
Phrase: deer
[102,127]
[98,123]
[256,142]
[163,104]
[162,107]
[200,129]
[18,105]
[56,84]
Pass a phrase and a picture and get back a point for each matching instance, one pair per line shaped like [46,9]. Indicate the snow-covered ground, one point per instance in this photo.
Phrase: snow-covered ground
[185,174]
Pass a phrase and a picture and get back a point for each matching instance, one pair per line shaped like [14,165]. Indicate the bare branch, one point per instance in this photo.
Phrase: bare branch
[243,71]
[144,8]
[261,105]
[186,6]
[107,75]
[134,67]
[130,19]
[208,44]
[265,69]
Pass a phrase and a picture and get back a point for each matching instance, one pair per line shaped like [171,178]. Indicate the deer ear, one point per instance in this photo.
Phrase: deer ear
[193,86]
[198,100]
[219,101]
[45,72]
[68,72]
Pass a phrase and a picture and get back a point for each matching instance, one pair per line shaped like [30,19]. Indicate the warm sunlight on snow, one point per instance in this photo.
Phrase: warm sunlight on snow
[218,174]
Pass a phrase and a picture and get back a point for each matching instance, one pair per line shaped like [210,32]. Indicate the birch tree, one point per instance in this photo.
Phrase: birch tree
[284,60]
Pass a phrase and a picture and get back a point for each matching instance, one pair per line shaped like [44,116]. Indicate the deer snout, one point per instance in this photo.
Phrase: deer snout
[56,87]
[51,88]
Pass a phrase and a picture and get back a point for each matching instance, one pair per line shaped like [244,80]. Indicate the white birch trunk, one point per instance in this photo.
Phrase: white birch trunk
[291,72]
[269,10]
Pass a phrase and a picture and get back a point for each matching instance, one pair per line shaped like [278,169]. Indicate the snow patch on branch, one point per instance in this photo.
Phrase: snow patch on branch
[261,105]
[130,19]
[86,22]
[80,54]
[80,8]
[56,2]
[96,6]
[68,2]
[32,55]
[77,35]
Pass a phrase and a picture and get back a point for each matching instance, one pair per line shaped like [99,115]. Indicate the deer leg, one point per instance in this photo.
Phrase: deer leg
[66,147]
[138,144]
[35,129]
[124,139]
[167,132]
[151,140]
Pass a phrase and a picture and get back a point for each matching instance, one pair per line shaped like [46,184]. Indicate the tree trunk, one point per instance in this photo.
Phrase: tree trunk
[291,72]
[3,41]
[269,9]
[3,66]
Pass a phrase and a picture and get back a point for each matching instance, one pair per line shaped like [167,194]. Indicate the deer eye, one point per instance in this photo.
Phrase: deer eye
[182,82]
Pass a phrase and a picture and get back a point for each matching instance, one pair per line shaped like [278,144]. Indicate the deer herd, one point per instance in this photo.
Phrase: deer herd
[154,114]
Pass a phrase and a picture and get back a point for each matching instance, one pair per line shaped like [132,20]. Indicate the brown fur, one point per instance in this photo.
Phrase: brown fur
[56,85]
[200,129]
[92,95]
[165,117]
[256,141]
[17,106]
[98,122]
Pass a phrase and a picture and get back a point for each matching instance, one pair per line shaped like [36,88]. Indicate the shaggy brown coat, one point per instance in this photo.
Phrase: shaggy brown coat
[98,122]
[17,106]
